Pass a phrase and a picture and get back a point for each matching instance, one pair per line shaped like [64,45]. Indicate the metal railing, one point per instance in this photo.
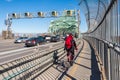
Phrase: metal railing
[28,66]
[105,39]
[108,57]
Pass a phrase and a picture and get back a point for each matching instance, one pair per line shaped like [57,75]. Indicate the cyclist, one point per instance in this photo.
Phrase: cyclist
[70,46]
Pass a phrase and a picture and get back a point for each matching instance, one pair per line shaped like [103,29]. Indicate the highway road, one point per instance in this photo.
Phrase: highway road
[10,51]
[6,45]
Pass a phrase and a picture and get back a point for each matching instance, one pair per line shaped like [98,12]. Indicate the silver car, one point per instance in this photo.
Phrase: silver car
[21,40]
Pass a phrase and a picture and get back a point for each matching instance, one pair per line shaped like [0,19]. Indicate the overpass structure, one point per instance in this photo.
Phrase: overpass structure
[98,56]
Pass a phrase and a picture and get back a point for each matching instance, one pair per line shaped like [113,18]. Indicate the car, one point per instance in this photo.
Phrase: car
[34,41]
[47,38]
[21,40]
[55,39]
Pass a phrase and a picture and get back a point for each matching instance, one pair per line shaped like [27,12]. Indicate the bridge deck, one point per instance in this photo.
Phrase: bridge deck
[84,68]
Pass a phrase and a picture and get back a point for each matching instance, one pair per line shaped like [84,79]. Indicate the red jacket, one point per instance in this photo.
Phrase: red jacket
[69,42]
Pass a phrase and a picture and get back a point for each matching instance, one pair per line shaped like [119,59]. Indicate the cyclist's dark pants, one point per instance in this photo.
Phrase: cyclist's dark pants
[70,54]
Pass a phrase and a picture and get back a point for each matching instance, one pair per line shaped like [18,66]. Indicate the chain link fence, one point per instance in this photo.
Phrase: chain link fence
[103,19]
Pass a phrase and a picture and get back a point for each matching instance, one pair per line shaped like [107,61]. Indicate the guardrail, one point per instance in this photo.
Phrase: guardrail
[111,45]
[107,54]
[27,67]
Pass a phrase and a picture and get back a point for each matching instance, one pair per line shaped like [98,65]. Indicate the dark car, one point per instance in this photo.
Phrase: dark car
[55,39]
[34,41]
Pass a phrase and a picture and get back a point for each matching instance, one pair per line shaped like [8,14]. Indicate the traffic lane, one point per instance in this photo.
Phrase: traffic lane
[16,54]
[40,47]
[7,41]
[10,46]
[7,46]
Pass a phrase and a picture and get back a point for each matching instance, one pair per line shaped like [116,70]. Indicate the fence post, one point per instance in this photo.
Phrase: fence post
[109,68]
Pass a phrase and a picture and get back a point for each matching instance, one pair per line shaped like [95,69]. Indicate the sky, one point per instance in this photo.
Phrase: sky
[35,25]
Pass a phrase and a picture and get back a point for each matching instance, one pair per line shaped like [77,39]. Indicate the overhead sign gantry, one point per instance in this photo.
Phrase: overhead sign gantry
[29,15]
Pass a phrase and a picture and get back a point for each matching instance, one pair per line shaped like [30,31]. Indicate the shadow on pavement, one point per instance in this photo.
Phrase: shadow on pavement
[94,67]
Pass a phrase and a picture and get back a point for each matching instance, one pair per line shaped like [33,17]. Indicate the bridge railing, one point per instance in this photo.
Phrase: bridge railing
[108,57]
[105,39]
[30,66]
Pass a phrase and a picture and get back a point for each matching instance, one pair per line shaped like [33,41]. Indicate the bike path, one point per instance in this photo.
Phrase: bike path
[81,68]
[84,67]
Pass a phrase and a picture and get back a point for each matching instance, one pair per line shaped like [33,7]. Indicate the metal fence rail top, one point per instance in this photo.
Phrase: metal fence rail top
[110,44]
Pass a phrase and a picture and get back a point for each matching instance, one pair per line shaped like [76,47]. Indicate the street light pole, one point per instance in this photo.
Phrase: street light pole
[78,16]
[8,25]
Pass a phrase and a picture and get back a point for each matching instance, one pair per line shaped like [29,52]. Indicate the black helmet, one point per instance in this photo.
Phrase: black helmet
[71,34]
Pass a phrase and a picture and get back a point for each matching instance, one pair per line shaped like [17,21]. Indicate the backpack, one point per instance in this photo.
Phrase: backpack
[68,43]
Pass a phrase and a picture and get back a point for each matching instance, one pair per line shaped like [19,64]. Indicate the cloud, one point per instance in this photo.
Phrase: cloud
[8,0]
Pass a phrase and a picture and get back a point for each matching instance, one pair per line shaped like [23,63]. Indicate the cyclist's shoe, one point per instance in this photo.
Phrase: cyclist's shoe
[67,60]
[71,63]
